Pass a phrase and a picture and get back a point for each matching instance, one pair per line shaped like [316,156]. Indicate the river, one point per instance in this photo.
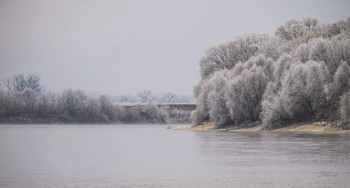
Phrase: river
[153,156]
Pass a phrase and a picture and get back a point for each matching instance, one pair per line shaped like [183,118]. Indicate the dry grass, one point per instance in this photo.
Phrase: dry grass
[206,127]
[314,127]
[250,129]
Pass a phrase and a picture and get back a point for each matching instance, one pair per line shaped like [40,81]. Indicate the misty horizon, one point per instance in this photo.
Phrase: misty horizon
[118,47]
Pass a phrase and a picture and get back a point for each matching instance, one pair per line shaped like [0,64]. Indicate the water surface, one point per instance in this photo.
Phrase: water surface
[153,156]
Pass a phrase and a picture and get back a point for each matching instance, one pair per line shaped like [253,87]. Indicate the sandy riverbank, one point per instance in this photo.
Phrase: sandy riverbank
[314,127]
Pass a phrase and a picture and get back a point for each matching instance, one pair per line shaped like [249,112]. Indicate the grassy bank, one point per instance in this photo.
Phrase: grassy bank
[314,127]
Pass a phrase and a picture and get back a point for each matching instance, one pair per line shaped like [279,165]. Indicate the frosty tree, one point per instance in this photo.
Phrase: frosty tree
[299,74]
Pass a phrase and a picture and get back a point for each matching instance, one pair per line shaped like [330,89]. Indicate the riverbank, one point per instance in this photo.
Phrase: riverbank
[314,127]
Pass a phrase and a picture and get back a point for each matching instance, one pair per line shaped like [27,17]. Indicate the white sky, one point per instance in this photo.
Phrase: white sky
[119,47]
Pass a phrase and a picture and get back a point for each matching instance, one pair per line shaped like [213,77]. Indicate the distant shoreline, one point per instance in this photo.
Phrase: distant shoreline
[309,128]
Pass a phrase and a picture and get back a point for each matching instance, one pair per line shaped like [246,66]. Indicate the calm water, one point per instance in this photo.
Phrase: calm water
[153,156]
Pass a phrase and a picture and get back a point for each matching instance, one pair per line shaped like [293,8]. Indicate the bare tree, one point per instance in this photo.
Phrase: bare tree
[126,98]
[145,96]
[170,98]
[20,82]
[227,55]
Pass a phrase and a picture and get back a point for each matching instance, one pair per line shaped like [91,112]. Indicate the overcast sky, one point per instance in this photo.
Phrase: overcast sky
[120,47]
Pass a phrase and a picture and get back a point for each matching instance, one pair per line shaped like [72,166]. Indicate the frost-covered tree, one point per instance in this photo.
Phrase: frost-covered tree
[266,65]
[226,56]
[302,52]
[145,96]
[321,51]
[154,114]
[47,104]
[20,82]
[246,46]
[303,95]
[107,108]
[29,98]
[169,98]
[291,30]
[298,74]
[201,114]
[215,59]
[341,81]
[176,116]
[272,47]
[12,104]
[244,95]
[126,98]
[91,109]
[274,107]
[74,103]
[74,106]
[216,101]
[341,49]
[2,102]
[335,89]
[299,31]
[345,110]
[338,27]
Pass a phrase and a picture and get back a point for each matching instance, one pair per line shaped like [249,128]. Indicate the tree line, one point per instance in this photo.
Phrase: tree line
[25,101]
[145,96]
[301,73]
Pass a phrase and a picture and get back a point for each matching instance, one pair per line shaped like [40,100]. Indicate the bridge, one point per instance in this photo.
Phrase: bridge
[170,106]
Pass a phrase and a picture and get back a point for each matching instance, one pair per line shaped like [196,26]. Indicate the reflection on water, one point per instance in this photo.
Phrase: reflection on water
[146,151]
[304,154]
